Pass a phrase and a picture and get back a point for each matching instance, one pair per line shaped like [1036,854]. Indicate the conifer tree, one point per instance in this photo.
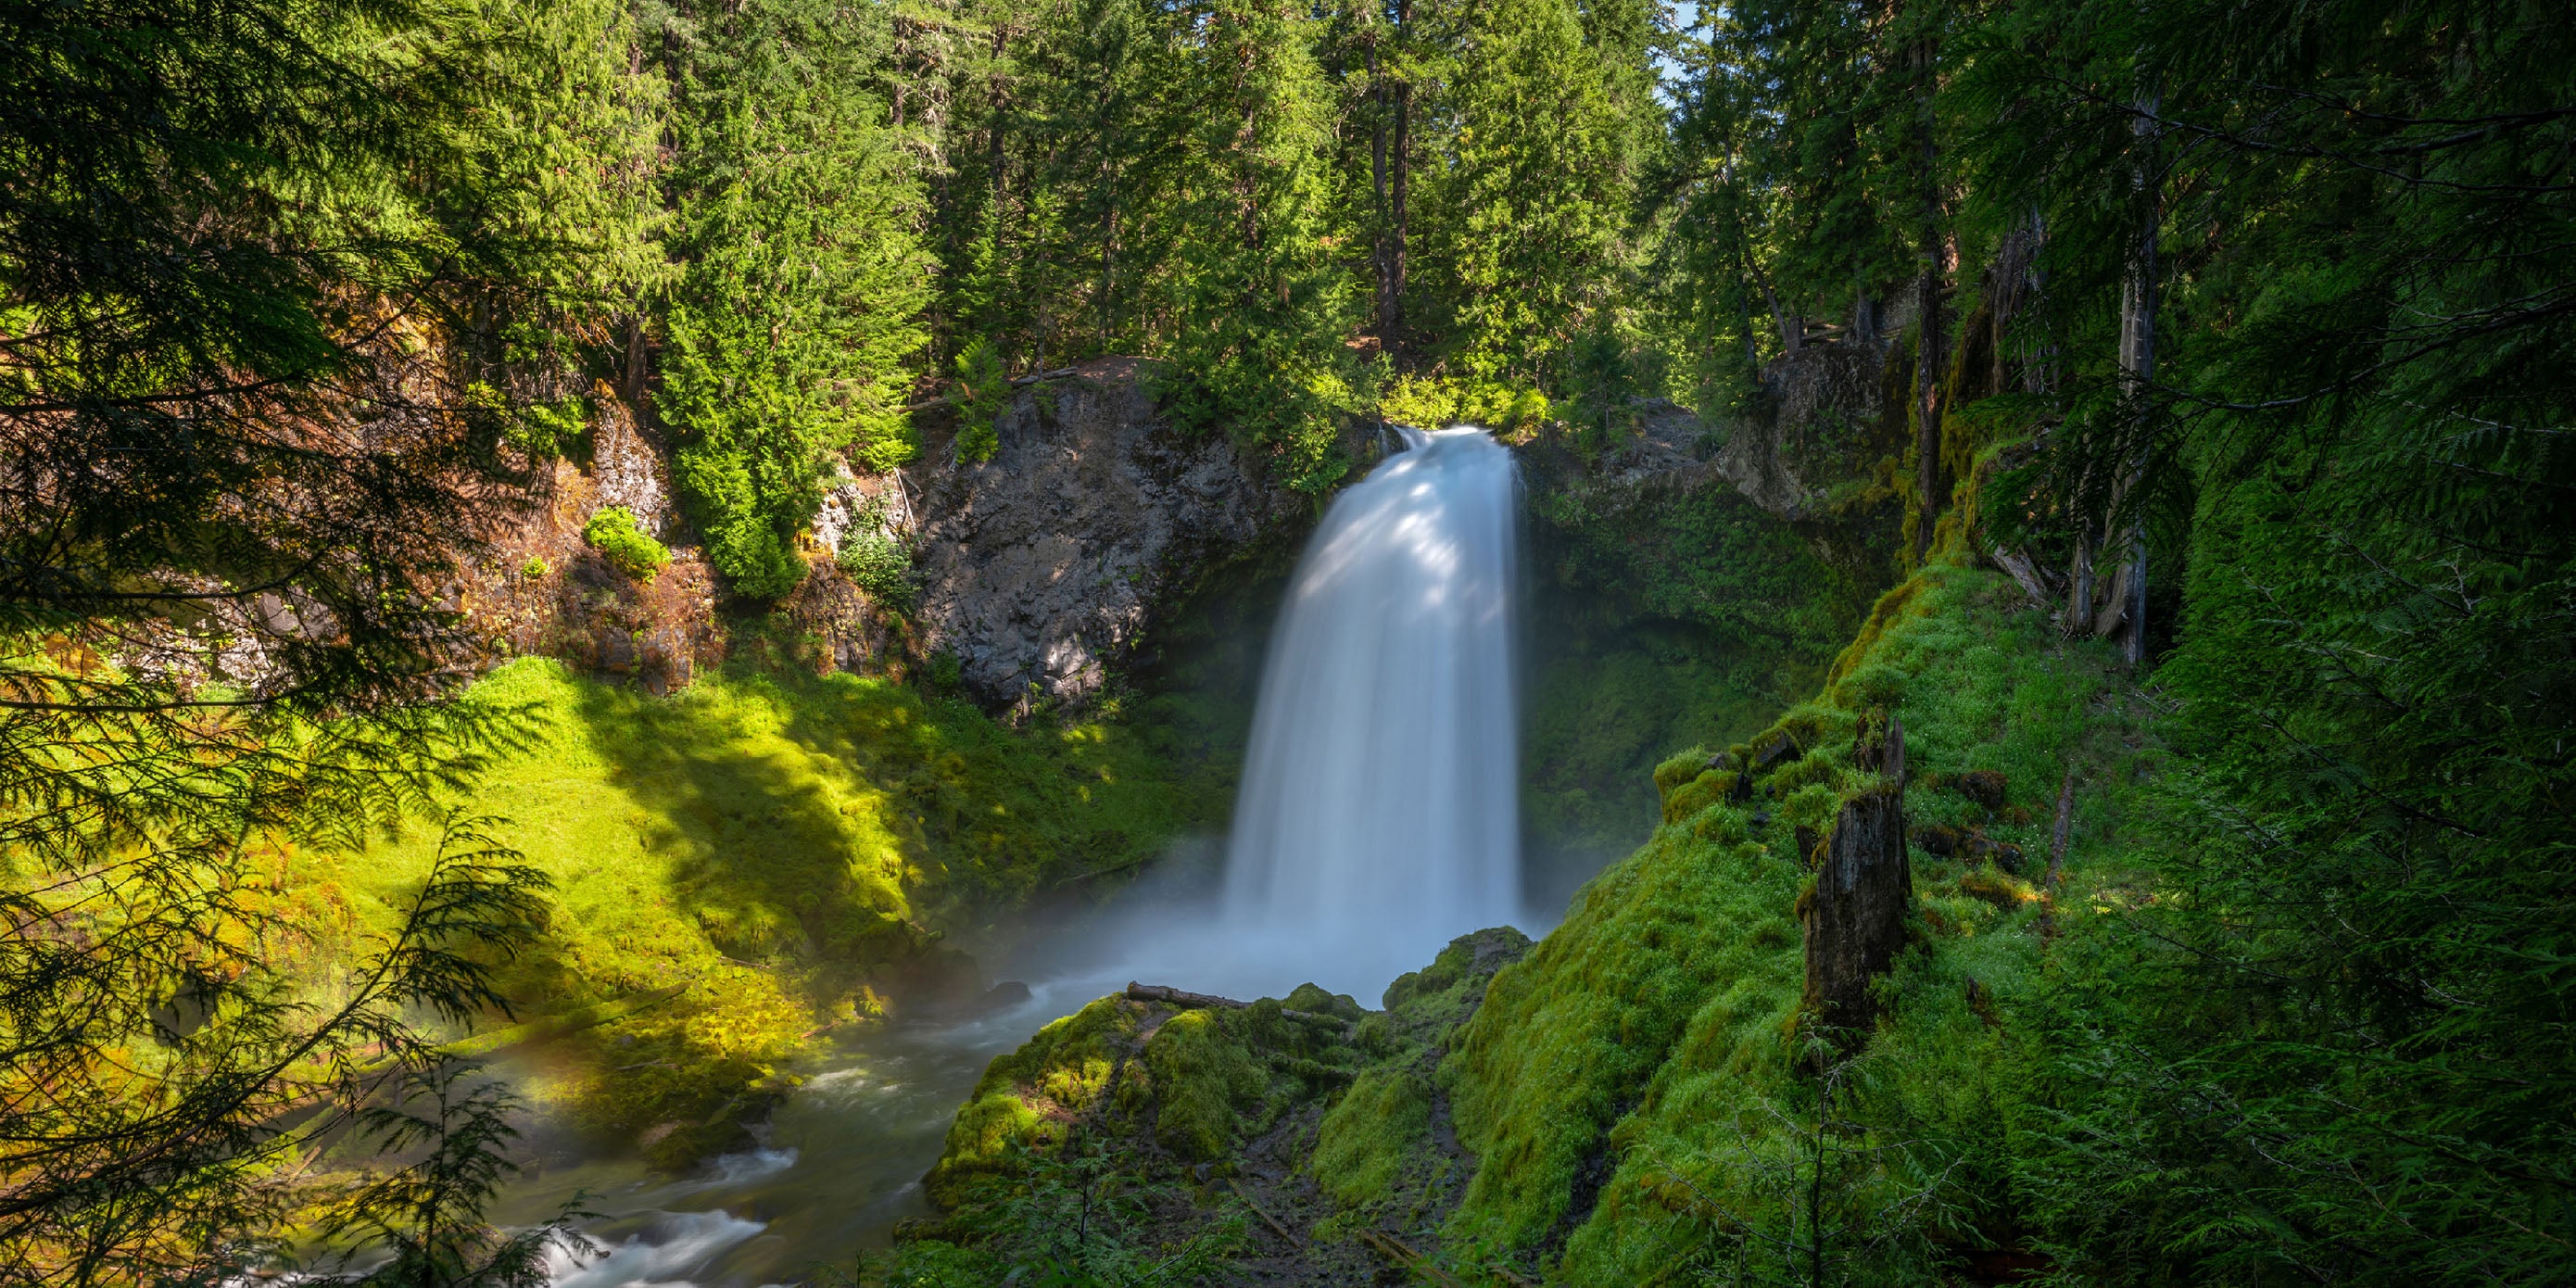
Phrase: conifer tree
[792,326]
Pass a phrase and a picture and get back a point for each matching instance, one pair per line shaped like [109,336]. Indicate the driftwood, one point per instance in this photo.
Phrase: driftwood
[1189,1001]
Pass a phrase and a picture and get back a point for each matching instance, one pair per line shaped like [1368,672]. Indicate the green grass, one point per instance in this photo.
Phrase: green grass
[778,842]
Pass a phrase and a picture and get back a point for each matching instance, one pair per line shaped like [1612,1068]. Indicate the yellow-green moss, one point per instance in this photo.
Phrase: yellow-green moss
[1639,1052]
[1202,1073]
[1029,1097]
[1376,1128]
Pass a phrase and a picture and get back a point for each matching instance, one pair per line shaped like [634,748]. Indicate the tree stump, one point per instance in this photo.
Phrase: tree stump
[1856,919]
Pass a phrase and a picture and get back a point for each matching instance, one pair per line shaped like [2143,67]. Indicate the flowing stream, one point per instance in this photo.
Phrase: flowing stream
[1378,819]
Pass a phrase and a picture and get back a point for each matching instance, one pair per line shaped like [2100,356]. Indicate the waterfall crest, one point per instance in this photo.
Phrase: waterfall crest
[1379,812]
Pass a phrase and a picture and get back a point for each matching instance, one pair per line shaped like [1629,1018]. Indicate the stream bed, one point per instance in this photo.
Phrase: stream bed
[841,1162]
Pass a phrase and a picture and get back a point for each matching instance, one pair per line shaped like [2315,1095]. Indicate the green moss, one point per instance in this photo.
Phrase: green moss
[1202,1075]
[1371,1134]
[814,831]
[1030,1098]
[1641,1057]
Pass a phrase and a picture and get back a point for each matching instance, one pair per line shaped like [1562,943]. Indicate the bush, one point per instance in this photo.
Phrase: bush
[534,568]
[880,564]
[614,534]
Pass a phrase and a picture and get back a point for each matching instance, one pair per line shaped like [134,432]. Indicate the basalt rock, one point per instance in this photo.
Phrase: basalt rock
[1040,568]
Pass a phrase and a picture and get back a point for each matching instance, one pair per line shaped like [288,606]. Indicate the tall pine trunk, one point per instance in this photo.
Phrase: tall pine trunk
[1930,345]
[2137,381]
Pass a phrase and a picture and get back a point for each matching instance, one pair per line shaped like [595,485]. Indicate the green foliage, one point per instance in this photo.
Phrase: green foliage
[1530,207]
[293,293]
[823,828]
[1650,1041]
[984,393]
[1073,1220]
[612,531]
[534,568]
[879,563]
[1437,402]
[792,323]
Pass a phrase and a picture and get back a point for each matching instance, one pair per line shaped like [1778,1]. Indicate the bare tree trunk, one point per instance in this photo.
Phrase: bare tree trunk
[2137,380]
[1928,351]
[2079,596]
[1855,918]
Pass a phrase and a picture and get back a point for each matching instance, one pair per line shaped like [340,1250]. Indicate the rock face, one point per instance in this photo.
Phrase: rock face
[1827,412]
[1856,918]
[1040,567]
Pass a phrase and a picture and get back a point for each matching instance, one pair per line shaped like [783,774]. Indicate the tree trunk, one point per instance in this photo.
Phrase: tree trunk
[1793,328]
[2079,596]
[1381,256]
[2137,380]
[1928,351]
[1856,917]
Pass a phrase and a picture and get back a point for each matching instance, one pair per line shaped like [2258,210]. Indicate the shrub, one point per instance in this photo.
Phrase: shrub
[880,564]
[614,534]
[534,568]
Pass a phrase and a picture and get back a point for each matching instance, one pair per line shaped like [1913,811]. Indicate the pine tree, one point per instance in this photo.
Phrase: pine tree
[791,329]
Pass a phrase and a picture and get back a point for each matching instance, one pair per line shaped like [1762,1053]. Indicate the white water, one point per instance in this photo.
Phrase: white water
[1379,812]
[1378,819]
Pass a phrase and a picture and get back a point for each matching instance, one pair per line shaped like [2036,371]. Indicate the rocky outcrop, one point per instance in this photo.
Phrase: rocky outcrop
[1040,568]
[541,589]
[1824,428]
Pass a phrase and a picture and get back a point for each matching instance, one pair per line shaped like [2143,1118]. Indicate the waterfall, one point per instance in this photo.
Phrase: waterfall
[1379,813]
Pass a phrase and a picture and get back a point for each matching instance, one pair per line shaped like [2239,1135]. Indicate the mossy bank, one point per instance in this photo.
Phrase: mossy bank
[1641,1096]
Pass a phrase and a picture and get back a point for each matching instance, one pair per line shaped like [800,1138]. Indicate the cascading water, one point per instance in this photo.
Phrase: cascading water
[1378,819]
[1379,810]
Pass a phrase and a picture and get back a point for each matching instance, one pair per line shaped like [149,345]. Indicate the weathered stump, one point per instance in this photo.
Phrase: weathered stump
[1856,918]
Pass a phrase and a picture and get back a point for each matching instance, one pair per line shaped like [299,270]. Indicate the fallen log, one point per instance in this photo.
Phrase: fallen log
[1406,1259]
[1190,1001]
[1244,1193]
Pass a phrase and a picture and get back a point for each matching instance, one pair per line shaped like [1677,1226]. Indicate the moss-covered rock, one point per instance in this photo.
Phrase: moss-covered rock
[1631,1089]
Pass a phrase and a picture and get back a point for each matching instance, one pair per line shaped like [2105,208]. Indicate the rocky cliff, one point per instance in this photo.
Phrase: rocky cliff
[1041,567]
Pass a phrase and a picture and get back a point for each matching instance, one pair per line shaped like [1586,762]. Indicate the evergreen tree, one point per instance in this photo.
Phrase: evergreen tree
[797,311]
[1260,305]
[293,299]
[2324,1058]
[1533,192]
